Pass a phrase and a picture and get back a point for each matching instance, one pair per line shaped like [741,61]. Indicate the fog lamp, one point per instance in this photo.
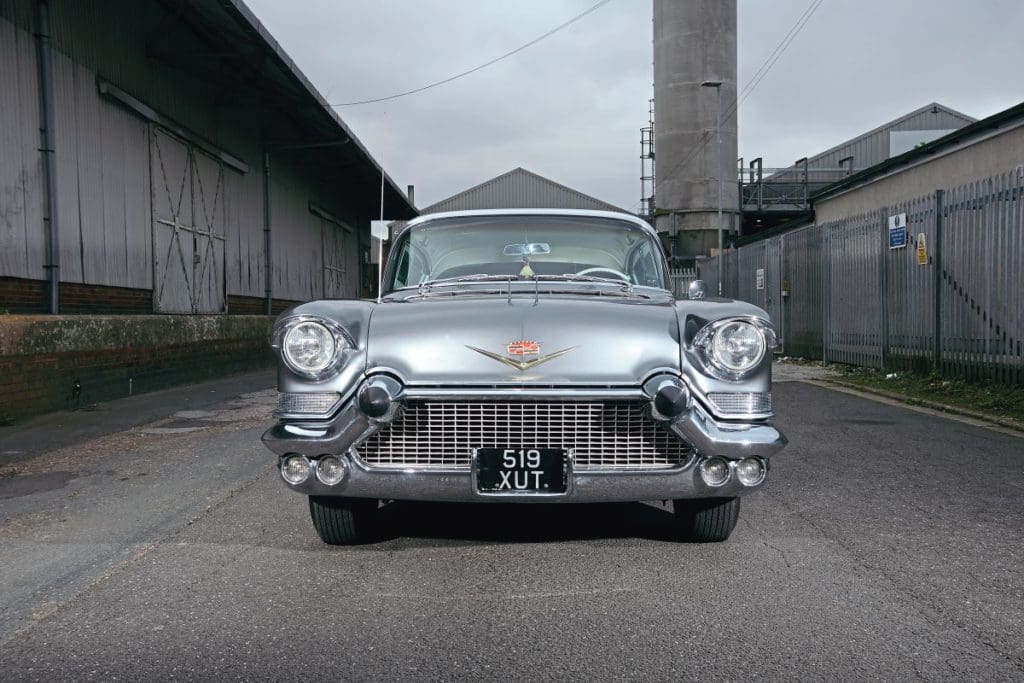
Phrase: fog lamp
[715,471]
[750,471]
[330,470]
[296,469]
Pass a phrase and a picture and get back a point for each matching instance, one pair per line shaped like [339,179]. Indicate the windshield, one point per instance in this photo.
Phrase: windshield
[522,247]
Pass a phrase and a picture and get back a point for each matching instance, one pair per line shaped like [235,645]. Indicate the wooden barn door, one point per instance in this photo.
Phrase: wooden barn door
[340,260]
[189,227]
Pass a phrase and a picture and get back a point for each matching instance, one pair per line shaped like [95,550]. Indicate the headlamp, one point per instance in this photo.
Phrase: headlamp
[312,347]
[735,346]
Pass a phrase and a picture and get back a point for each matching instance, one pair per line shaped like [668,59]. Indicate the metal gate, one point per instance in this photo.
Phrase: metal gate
[189,226]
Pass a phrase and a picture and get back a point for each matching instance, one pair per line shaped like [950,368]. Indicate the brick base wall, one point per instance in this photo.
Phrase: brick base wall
[254,305]
[19,295]
[78,298]
[43,358]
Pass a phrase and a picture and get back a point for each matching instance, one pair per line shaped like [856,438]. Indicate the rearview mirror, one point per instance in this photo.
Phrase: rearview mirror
[531,249]
[696,290]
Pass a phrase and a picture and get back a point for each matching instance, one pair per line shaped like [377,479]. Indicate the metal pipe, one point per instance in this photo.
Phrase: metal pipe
[721,173]
[268,290]
[46,130]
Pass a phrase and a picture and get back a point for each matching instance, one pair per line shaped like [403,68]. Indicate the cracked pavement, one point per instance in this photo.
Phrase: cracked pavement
[887,545]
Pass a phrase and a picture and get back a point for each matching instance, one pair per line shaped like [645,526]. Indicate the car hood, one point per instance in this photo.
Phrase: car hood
[585,340]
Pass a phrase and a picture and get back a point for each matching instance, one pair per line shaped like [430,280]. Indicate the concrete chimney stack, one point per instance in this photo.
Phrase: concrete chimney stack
[694,43]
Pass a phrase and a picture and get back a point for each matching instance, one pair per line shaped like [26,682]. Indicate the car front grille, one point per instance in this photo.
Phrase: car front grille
[603,435]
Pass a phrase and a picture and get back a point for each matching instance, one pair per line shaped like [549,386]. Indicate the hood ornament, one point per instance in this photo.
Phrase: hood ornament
[521,348]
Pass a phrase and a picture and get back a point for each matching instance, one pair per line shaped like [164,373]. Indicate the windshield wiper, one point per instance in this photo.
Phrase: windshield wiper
[574,277]
[427,285]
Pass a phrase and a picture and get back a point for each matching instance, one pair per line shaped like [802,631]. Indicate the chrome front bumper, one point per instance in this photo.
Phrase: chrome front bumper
[709,437]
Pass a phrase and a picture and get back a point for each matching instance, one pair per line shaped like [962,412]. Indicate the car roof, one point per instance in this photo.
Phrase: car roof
[583,213]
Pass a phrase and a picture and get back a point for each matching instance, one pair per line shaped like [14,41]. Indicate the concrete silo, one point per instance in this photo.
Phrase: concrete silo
[694,43]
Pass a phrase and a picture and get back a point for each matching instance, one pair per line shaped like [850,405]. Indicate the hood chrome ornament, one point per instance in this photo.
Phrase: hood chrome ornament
[522,348]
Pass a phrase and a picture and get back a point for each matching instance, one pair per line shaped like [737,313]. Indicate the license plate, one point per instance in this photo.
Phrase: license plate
[520,470]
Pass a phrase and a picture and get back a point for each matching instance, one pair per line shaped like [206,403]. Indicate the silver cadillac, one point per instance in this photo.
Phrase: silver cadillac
[525,356]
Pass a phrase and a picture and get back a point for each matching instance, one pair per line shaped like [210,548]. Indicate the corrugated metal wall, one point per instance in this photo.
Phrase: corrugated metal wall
[873,148]
[112,193]
[22,240]
[103,187]
[850,298]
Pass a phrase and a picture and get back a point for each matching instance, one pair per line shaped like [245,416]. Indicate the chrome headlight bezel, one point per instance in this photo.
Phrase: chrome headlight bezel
[704,344]
[344,346]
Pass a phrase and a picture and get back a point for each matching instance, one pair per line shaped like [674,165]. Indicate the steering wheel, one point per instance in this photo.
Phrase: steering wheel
[620,275]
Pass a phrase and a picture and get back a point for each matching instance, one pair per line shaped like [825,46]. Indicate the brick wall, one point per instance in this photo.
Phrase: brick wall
[19,295]
[253,305]
[42,358]
[79,298]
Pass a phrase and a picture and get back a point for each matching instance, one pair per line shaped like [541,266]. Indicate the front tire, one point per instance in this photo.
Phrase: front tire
[343,521]
[706,520]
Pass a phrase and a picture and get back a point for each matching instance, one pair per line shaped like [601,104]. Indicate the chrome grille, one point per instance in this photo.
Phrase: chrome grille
[306,403]
[603,435]
[741,403]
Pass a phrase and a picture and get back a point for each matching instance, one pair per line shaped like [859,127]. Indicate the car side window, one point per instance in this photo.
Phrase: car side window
[402,266]
[643,266]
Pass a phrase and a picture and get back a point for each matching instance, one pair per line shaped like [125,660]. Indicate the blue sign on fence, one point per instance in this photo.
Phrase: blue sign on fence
[898,231]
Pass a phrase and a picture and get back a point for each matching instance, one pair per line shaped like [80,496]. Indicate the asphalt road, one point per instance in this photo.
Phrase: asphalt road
[889,544]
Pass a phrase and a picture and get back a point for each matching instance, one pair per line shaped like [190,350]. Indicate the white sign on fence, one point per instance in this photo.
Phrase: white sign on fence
[760,278]
[898,231]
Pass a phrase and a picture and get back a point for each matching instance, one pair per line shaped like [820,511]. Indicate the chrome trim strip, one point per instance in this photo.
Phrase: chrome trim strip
[458,487]
[733,440]
[462,469]
[513,393]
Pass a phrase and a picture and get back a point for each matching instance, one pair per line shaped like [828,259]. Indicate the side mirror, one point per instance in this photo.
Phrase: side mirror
[696,290]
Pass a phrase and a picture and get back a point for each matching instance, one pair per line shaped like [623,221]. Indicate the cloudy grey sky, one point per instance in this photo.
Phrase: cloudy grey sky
[571,107]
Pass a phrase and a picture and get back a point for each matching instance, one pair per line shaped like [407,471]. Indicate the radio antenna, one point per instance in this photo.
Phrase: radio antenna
[380,240]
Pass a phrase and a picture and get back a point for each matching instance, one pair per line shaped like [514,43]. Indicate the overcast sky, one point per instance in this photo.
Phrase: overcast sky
[571,107]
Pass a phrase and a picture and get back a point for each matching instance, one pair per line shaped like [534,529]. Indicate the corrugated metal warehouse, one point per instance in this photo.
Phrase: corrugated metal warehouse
[890,139]
[168,157]
[173,124]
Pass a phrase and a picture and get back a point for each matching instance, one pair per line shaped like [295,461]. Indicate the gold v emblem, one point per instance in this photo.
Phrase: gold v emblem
[522,365]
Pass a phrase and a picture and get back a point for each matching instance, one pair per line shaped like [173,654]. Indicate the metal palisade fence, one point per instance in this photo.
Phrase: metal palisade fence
[680,279]
[931,283]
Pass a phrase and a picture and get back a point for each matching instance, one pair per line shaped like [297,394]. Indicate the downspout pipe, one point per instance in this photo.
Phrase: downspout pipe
[268,290]
[46,130]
